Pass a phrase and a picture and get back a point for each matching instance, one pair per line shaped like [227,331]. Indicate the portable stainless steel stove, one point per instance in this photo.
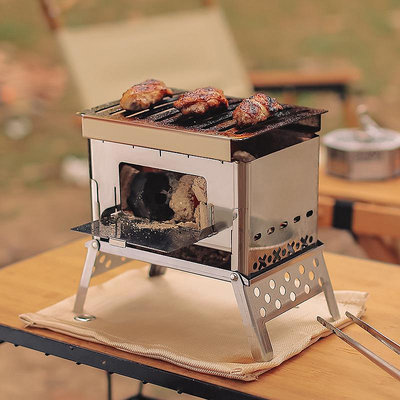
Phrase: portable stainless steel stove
[259,217]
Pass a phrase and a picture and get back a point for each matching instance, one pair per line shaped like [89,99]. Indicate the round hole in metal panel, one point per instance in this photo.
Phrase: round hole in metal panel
[310,240]
[256,292]
[267,298]
[263,313]
[272,284]
[282,290]
[307,289]
[297,282]
[297,245]
[287,276]
[270,231]
[292,296]
[315,262]
[102,258]
[301,269]
[320,282]
[123,259]
[278,304]
[311,275]
[108,263]
[257,236]
[269,259]
[296,219]
[283,225]
[309,213]
[255,265]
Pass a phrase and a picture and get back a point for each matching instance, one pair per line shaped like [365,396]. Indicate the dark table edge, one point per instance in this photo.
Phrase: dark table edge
[117,365]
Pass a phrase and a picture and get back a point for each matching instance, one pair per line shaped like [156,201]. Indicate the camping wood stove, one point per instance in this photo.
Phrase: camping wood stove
[253,223]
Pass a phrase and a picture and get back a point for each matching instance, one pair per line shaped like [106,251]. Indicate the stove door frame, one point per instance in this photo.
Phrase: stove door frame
[105,158]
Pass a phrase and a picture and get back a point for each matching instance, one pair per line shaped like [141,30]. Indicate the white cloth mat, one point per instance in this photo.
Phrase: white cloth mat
[190,321]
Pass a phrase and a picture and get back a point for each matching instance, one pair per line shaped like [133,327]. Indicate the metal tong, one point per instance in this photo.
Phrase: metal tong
[380,362]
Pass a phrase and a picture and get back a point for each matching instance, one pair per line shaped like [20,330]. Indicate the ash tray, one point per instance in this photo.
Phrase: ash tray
[138,232]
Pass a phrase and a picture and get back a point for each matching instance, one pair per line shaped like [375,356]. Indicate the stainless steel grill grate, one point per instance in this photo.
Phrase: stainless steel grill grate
[164,114]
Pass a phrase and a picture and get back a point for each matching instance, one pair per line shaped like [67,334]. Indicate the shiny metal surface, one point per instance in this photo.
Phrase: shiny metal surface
[369,154]
[262,214]
[279,290]
[282,196]
[165,116]
[92,250]
[219,176]
[166,240]
[380,362]
[375,333]
[113,256]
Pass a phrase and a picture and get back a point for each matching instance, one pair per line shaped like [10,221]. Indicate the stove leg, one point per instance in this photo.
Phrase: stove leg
[93,249]
[330,296]
[257,334]
[156,270]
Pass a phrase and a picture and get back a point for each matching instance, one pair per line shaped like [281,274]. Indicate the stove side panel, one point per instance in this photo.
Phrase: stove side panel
[282,205]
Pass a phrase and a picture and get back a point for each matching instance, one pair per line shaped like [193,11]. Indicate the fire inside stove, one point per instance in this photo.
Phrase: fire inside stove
[163,198]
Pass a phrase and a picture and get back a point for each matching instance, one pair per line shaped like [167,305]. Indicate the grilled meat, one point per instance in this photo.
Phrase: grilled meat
[255,109]
[201,101]
[143,95]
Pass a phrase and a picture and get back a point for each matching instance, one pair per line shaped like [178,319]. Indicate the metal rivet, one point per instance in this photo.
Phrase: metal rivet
[84,318]
[234,277]
[94,244]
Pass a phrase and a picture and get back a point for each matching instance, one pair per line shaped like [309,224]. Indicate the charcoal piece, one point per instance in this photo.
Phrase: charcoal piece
[149,196]
[204,255]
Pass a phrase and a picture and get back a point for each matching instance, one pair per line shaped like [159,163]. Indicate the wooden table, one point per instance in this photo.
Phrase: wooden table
[328,370]
[374,208]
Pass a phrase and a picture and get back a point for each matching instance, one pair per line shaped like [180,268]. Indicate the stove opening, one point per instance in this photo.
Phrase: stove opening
[163,196]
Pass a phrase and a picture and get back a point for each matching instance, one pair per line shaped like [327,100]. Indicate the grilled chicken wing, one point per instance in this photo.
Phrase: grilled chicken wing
[255,109]
[143,95]
[200,101]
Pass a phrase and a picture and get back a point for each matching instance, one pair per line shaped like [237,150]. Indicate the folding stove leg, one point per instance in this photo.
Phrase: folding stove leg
[93,249]
[330,296]
[257,333]
[278,290]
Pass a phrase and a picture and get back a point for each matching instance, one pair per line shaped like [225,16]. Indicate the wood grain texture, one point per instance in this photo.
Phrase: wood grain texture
[328,370]
[376,205]
[368,219]
[384,193]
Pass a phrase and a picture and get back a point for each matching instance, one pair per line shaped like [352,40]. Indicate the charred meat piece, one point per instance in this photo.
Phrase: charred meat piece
[143,95]
[255,109]
[201,101]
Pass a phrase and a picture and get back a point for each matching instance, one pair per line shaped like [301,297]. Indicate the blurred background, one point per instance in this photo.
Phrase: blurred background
[43,186]
[331,54]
